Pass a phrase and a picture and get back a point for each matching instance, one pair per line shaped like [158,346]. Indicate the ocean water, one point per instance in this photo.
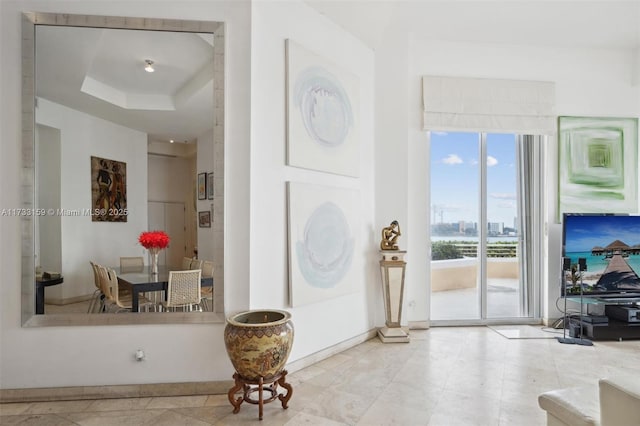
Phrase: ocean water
[599,263]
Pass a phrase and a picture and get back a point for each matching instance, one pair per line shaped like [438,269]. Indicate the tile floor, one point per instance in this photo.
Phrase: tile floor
[446,376]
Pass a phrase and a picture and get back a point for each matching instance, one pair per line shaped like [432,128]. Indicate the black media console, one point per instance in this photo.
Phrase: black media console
[621,321]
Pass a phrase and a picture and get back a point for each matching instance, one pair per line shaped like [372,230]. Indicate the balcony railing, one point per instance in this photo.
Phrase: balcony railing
[470,248]
[493,249]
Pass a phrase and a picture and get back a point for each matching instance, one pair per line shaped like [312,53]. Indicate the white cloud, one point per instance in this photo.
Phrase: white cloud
[440,133]
[503,195]
[473,162]
[452,159]
[507,204]
[447,207]
[491,161]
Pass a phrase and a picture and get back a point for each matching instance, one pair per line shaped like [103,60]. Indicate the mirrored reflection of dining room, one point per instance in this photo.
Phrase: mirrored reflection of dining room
[105,172]
[134,286]
[71,242]
[70,239]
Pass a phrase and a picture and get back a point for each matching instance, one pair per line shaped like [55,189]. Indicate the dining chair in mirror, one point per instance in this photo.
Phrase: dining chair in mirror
[186,263]
[183,291]
[195,264]
[117,300]
[105,287]
[207,269]
[97,299]
[206,293]
[132,263]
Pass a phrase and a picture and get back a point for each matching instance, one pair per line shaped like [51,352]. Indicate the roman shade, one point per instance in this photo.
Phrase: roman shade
[488,105]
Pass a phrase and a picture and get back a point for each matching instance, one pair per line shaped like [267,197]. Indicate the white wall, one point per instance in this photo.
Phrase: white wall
[211,240]
[329,322]
[48,172]
[635,71]
[205,164]
[73,353]
[170,179]
[400,175]
[83,136]
[588,82]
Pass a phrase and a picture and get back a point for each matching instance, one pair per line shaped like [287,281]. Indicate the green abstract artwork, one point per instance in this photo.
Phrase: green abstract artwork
[597,165]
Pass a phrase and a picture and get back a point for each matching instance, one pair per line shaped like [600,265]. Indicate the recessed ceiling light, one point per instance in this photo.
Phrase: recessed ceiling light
[148,65]
[171,140]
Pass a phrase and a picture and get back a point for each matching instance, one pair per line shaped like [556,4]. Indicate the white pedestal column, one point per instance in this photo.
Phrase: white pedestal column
[392,266]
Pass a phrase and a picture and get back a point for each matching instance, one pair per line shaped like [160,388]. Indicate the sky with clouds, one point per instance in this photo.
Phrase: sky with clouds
[455,177]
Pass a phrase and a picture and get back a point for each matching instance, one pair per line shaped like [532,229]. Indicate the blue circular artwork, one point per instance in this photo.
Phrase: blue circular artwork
[325,254]
[324,106]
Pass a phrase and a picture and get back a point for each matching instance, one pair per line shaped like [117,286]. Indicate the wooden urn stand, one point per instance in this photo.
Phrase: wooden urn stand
[259,386]
[258,343]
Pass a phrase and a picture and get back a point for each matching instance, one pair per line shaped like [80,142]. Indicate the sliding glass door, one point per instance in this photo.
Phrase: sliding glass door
[502,270]
[455,221]
[478,271]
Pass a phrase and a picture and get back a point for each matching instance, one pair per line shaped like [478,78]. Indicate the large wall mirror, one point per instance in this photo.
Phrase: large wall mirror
[123,132]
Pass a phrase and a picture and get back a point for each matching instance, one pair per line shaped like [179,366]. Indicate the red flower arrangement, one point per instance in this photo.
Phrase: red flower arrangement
[154,239]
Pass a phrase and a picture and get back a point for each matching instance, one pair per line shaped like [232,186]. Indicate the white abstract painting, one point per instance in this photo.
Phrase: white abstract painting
[322,242]
[322,114]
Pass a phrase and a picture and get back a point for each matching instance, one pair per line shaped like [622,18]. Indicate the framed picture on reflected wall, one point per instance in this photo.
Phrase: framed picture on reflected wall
[210,186]
[204,219]
[108,190]
[202,186]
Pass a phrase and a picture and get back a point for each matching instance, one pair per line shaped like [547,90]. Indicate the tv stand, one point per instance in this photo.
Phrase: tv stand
[614,329]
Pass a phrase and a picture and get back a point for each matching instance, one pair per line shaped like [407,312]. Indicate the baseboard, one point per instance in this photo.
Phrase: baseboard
[163,389]
[73,393]
[418,325]
[549,321]
[330,351]
[66,301]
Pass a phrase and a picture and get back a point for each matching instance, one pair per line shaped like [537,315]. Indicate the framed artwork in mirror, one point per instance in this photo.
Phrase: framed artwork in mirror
[108,190]
[202,186]
[204,219]
[210,186]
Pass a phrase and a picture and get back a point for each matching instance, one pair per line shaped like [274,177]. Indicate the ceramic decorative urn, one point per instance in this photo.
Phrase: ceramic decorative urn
[259,342]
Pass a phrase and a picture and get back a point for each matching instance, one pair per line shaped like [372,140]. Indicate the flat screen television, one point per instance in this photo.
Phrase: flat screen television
[610,247]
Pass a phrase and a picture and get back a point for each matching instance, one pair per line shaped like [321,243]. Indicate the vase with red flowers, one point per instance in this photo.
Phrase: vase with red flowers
[154,241]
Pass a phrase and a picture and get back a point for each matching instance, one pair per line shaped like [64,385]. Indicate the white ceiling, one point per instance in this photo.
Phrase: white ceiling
[608,24]
[101,72]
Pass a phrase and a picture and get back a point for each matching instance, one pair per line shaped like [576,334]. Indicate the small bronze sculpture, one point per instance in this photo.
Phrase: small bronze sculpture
[390,236]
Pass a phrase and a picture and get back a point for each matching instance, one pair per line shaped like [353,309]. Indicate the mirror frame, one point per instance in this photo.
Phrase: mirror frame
[29,22]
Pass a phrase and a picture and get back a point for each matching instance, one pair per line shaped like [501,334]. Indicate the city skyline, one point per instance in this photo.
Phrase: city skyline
[471,228]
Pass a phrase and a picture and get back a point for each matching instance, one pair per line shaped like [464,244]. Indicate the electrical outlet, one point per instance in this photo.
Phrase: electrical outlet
[139,355]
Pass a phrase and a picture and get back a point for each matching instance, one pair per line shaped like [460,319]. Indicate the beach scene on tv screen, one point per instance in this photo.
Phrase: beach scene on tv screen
[610,246]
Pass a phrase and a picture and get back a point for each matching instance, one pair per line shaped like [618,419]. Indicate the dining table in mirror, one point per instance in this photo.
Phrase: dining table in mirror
[120,117]
[138,281]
